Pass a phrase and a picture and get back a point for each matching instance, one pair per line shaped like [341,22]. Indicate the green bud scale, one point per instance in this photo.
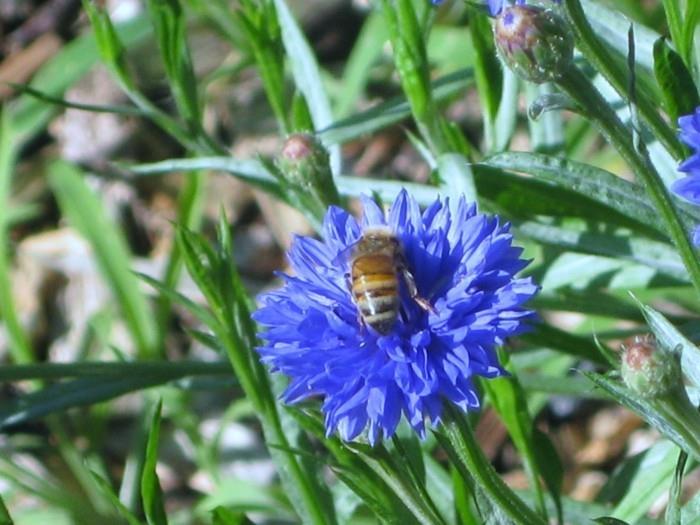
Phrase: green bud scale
[648,370]
[534,42]
[305,163]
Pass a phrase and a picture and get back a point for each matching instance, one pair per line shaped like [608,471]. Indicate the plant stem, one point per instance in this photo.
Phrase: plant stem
[599,57]
[580,89]
[470,460]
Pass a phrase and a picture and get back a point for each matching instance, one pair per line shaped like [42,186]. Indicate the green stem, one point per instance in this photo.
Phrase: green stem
[415,500]
[415,479]
[580,89]
[470,460]
[258,389]
[598,55]
[190,204]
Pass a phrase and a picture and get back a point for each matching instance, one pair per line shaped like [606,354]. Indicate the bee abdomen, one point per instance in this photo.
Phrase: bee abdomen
[377,299]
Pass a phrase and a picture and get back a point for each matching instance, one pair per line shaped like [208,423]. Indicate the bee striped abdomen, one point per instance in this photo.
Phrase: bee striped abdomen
[375,290]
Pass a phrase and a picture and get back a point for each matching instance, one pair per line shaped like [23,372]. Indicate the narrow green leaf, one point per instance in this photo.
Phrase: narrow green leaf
[85,213]
[151,493]
[674,20]
[202,314]
[657,255]
[224,516]
[171,33]
[307,75]
[107,490]
[679,92]
[627,198]
[391,111]
[90,389]
[365,52]
[71,62]
[401,483]
[691,20]
[20,346]
[507,115]
[58,101]
[117,369]
[509,400]
[5,518]
[357,475]
[687,441]
[673,510]
[109,44]
[606,520]
[458,439]
[652,479]
[487,68]
[457,177]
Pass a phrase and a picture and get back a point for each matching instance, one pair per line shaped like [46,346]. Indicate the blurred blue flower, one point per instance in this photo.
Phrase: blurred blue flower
[689,186]
[495,6]
[463,262]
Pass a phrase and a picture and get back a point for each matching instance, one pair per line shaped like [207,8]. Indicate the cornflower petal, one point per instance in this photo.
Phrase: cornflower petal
[689,186]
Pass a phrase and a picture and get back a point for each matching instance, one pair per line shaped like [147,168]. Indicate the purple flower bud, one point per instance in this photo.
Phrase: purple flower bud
[534,42]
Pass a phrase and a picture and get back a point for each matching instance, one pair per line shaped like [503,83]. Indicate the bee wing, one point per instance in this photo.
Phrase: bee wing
[345,255]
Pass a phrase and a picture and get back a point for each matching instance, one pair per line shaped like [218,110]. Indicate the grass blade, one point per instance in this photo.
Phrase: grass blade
[151,493]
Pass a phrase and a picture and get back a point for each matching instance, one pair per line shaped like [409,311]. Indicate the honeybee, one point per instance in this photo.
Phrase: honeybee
[376,264]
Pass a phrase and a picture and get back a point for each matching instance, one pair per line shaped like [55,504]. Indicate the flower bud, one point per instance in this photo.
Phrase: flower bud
[534,42]
[649,371]
[306,163]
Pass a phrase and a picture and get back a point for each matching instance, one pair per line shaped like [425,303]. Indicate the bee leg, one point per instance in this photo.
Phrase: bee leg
[413,289]
[360,319]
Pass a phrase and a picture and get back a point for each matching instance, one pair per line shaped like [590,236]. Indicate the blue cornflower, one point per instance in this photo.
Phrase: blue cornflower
[689,186]
[494,6]
[463,263]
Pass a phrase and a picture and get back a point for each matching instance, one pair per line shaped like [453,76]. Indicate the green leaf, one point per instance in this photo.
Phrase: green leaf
[20,346]
[457,177]
[224,516]
[487,69]
[307,75]
[151,493]
[5,518]
[671,338]
[457,438]
[605,520]
[171,33]
[367,49]
[651,480]
[679,92]
[509,400]
[657,419]
[391,472]
[673,510]
[391,111]
[109,44]
[68,65]
[94,383]
[625,197]
[674,19]
[507,115]
[357,475]
[85,213]
[106,489]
